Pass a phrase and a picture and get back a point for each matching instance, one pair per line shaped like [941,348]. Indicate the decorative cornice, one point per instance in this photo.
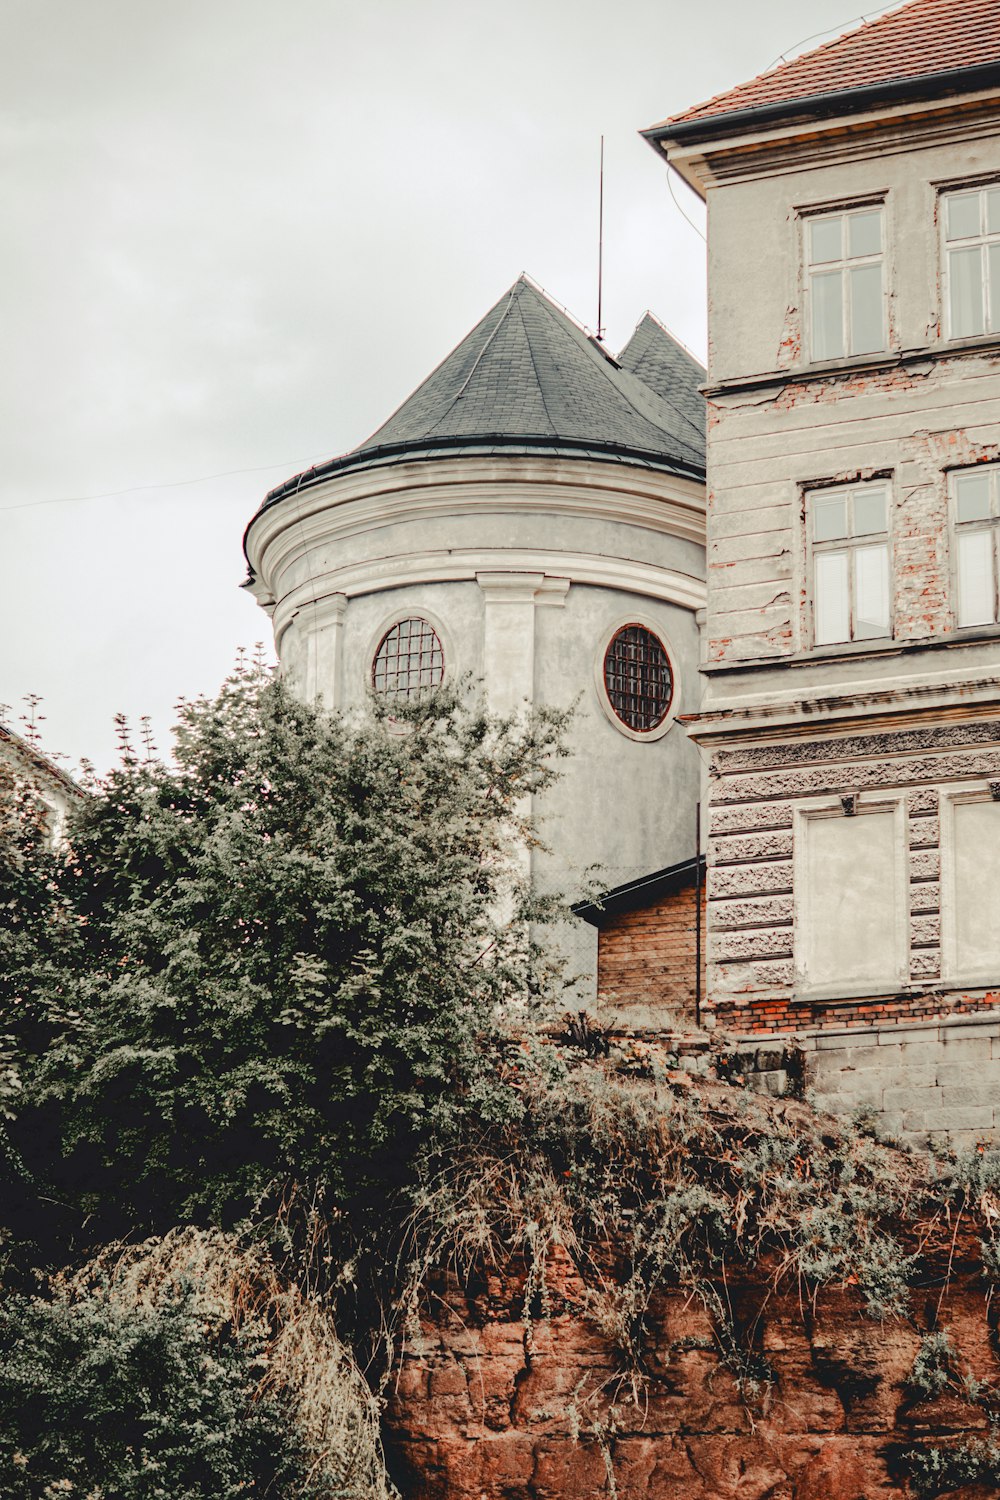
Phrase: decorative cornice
[363,502]
[832,714]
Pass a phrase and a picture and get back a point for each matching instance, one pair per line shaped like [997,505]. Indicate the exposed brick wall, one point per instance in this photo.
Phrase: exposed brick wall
[786,1015]
[647,957]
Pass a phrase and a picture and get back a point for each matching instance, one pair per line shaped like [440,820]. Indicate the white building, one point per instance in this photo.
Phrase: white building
[532,517]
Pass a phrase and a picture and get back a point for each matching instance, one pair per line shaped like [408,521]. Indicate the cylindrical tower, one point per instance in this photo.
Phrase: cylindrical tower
[533,515]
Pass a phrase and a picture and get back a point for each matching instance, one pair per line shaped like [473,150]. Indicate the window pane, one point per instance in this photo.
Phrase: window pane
[829,517]
[869,510]
[864,233]
[972,914]
[965,277]
[993,211]
[852,895]
[866,309]
[825,239]
[993,295]
[963,215]
[830,604]
[972,494]
[975,578]
[871,592]
[827,316]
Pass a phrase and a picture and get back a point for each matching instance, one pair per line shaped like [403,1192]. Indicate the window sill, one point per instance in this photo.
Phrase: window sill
[860,364]
[969,635]
[835,995]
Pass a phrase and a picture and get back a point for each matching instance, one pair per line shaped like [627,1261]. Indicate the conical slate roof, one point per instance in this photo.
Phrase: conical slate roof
[668,369]
[527,379]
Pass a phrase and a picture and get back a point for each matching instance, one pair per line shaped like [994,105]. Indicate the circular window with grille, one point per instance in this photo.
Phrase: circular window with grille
[409,659]
[637,680]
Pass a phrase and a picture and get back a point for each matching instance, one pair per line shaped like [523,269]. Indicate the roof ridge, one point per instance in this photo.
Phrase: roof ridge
[534,366]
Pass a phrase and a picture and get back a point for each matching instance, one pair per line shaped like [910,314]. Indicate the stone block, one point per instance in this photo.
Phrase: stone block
[907,1036]
[843,1104]
[959,1074]
[916,1076]
[829,1042]
[957,1047]
[970,1094]
[909,1099]
[950,1119]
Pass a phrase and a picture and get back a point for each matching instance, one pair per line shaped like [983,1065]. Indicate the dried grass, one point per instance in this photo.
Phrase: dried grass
[306,1366]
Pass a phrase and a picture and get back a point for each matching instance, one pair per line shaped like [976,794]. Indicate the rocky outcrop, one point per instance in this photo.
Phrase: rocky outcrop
[488,1405]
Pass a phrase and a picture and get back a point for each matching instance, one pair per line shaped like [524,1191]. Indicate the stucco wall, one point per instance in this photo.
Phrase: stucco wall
[525,567]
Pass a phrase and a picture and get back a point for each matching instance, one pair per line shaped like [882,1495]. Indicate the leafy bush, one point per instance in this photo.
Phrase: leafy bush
[933,1365]
[97,1400]
[180,1368]
[280,959]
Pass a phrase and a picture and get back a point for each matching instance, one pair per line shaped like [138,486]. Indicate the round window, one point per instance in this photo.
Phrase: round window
[637,678]
[409,659]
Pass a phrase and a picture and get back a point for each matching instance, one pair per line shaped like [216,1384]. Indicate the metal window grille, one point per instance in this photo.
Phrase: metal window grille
[638,678]
[409,659]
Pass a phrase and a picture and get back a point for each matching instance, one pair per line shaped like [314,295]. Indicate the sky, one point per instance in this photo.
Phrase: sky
[238,233]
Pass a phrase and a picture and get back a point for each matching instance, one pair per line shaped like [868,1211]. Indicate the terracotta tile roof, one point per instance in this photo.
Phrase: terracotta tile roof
[918,40]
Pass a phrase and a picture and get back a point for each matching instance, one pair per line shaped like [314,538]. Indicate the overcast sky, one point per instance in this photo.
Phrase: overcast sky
[237,233]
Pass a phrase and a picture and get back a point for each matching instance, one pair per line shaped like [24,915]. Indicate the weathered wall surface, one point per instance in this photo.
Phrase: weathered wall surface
[939,1081]
[761,795]
[486,1409]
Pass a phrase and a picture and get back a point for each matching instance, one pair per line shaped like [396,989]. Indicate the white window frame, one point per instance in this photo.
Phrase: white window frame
[960,528]
[898,943]
[849,544]
[844,265]
[951,974]
[982,241]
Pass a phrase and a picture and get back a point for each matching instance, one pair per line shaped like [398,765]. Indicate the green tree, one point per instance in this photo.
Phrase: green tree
[272,966]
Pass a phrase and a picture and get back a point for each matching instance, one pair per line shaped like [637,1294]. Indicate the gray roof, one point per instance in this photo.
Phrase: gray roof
[666,366]
[527,379]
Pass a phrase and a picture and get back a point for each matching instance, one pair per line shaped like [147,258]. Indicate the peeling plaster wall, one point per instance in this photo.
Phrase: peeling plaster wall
[907,727]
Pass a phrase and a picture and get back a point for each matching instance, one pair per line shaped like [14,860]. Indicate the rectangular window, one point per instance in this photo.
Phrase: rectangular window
[971,224]
[976,527]
[849,542]
[970,888]
[843,255]
[851,921]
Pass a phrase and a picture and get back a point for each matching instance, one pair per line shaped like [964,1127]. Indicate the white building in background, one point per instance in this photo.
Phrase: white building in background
[25,764]
[533,517]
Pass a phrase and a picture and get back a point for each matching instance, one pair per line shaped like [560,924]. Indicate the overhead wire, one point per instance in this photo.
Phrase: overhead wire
[167,484]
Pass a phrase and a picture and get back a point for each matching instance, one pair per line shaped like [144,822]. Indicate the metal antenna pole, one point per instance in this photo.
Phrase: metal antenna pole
[600,245]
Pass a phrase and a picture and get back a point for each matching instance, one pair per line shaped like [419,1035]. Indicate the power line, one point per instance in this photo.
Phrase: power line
[869,15]
[678,206]
[169,484]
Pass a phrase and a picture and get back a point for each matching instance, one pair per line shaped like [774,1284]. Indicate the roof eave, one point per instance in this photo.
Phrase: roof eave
[635,895]
[931,86]
[427,448]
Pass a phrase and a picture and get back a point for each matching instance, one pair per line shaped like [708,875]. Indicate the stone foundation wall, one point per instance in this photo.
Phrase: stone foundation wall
[939,1081]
